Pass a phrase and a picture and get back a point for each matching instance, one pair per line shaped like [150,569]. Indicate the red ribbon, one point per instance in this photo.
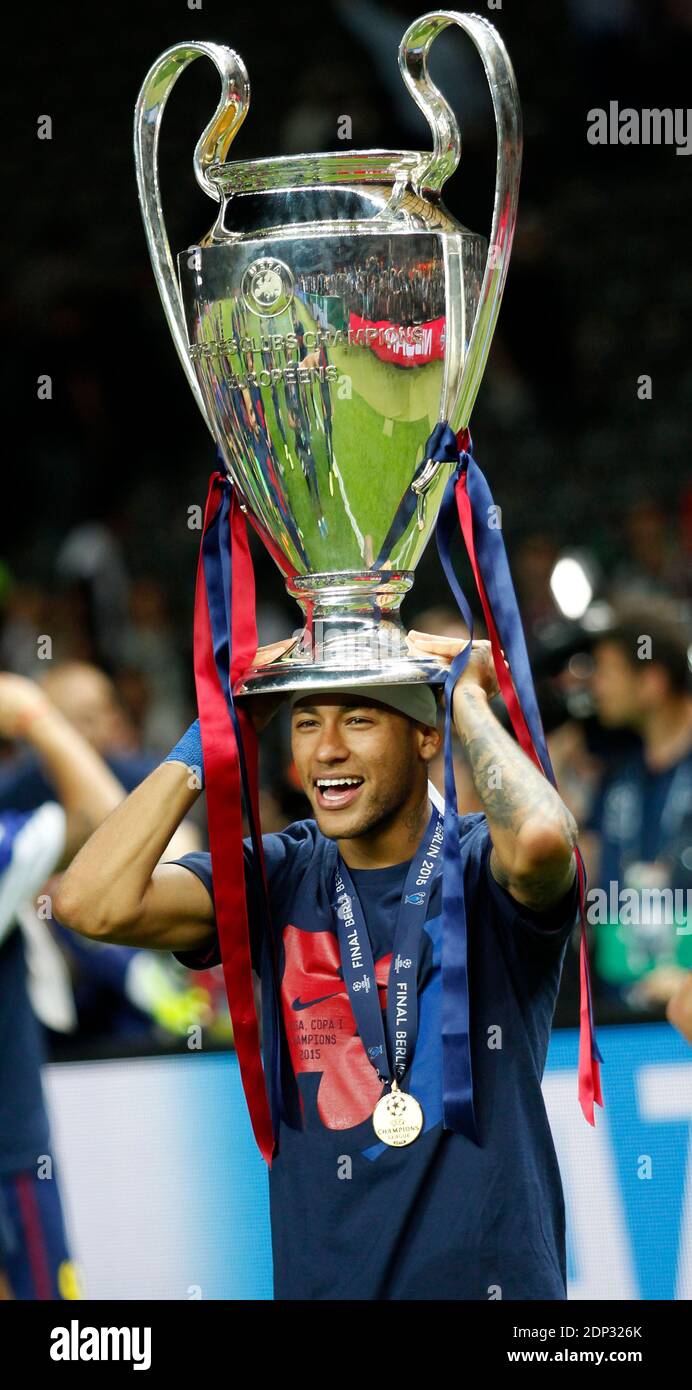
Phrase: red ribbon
[589,1069]
[224,804]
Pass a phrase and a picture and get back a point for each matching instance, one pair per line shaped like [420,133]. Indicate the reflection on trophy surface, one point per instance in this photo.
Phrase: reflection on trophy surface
[332,317]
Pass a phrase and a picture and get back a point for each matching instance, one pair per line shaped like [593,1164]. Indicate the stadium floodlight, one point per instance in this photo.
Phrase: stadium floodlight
[571,584]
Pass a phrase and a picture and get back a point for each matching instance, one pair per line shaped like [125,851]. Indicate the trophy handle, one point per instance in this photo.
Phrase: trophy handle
[433,173]
[211,147]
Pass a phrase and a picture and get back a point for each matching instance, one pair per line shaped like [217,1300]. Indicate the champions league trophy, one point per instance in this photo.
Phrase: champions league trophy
[332,317]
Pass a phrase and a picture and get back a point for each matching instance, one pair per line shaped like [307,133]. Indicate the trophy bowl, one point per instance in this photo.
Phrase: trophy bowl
[333,316]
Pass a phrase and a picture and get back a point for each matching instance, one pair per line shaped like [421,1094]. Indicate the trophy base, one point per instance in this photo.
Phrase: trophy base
[353,636]
[300,675]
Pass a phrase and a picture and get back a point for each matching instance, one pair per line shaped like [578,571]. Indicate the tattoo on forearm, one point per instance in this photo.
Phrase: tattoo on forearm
[511,789]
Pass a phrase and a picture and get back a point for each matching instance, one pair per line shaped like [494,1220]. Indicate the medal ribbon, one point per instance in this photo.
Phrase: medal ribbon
[390,1055]
[468,494]
[225,643]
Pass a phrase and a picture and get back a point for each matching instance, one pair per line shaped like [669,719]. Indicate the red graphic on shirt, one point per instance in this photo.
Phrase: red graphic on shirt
[321,1029]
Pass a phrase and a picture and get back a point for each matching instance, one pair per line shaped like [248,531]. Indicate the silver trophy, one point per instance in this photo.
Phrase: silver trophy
[334,314]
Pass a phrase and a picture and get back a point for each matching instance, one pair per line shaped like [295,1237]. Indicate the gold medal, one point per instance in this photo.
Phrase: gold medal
[397,1118]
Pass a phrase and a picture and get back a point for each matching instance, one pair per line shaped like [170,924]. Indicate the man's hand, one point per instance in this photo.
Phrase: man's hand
[480,668]
[532,831]
[261,707]
[117,890]
[84,785]
[21,701]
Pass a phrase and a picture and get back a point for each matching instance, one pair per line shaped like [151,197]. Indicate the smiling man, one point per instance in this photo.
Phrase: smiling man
[371,1197]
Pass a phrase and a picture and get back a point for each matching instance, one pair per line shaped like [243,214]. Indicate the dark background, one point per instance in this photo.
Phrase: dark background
[599,290]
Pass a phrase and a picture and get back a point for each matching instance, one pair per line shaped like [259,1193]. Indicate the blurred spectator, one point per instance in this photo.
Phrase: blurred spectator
[87,697]
[33,1251]
[642,817]
[23,614]
[149,649]
[534,561]
[115,995]
[655,565]
[91,560]
[576,769]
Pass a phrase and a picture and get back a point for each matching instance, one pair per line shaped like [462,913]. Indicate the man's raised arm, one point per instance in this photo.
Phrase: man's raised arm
[116,889]
[532,831]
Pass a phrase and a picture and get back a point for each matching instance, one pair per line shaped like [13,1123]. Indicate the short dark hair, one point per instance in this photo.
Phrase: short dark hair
[668,630]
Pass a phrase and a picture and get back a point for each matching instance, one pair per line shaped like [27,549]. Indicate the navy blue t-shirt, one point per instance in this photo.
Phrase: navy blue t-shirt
[443,1218]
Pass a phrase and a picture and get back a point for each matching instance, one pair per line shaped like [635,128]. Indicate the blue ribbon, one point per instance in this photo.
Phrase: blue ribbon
[390,1055]
[437,448]
[495,573]
[458,1110]
[493,565]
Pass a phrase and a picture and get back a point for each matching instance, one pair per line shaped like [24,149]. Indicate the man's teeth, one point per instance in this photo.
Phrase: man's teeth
[339,781]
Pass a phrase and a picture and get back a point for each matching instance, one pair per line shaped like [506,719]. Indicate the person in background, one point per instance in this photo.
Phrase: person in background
[34,1259]
[92,575]
[655,564]
[150,648]
[88,699]
[641,822]
[535,561]
[116,992]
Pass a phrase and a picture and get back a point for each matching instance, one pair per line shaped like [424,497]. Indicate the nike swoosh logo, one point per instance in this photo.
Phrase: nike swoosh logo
[308,1003]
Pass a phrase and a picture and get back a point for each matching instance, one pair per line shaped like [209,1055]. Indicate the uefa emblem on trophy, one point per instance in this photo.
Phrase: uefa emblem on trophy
[334,314]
